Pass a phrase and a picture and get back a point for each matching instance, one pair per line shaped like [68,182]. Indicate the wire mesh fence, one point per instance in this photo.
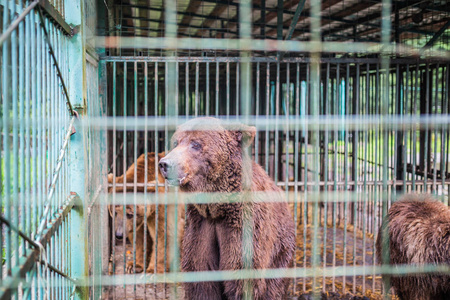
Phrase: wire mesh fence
[37,123]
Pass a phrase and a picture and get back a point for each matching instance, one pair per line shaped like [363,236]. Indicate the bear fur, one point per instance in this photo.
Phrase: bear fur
[417,232]
[215,161]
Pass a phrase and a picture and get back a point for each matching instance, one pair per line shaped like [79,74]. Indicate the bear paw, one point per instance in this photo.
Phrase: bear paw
[130,267]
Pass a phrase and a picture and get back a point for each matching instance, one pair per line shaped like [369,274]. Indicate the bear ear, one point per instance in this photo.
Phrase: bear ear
[244,134]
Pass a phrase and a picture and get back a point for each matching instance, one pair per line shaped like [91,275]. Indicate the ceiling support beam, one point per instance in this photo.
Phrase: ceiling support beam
[294,20]
[437,35]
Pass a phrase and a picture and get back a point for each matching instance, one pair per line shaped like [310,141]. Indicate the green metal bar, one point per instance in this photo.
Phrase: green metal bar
[444,139]
[166,148]
[294,19]
[416,92]
[318,122]
[260,45]
[177,89]
[27,114]
[277,113]
[237,89]
[124,165]
[228,91]
[157,212]
[76,64]
[434,112]
[279,19]
[266,59]
[315,100]
[63,211]
[405,134]
[26,262]
[21,104]
[286,131]
[210,276]
[365,200]
[325,171]
[196,100]
[19,20]
[355,153]
[436,36]
[54,180]
[266,150]
[217,89]
[385,40]
[244,95]
[425,148]
[335,175]
[6,177]
[55,62]
[135,156]
[187,96]
[35,65]
[346,171]
[296,163]
[257,104]
[145,169]
[376,154]
[305,135]
[114,164]
[206,93]
[15,142]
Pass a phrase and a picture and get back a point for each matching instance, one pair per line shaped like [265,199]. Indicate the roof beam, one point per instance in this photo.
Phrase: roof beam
[216,12]
[305,14]
[376,27]
[345,13]
[368,18]
[192,8]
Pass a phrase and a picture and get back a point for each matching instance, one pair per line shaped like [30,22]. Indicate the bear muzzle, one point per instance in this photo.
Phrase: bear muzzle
[170,172]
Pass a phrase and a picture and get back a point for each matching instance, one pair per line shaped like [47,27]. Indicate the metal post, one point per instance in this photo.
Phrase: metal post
[103,91]
[77,90]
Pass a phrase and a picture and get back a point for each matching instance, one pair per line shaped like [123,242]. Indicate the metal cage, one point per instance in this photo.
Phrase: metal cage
[350,100]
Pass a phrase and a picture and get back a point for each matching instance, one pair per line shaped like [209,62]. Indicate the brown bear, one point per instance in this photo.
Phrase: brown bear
[152,233]
[140,175]
[417,232]
[249,213]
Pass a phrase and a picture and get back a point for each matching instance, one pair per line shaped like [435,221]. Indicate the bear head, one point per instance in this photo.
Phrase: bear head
[207,155]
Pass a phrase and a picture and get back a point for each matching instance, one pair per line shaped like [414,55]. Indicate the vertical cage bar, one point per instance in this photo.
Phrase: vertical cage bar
[325,171]
[257,104]
[124,165]
[206,92]
[277,134]
[196,89]
[187,96]
[228,90]
[267,141]
[217,89]
[135,157]
[296,163]
[6,84]
[146,166]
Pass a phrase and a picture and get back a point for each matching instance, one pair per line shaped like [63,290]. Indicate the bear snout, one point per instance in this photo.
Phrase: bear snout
[163,167]
[171,171]
[119,233]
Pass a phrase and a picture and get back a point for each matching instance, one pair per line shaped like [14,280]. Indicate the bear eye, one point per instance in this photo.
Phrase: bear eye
[196,145]
[175,144]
